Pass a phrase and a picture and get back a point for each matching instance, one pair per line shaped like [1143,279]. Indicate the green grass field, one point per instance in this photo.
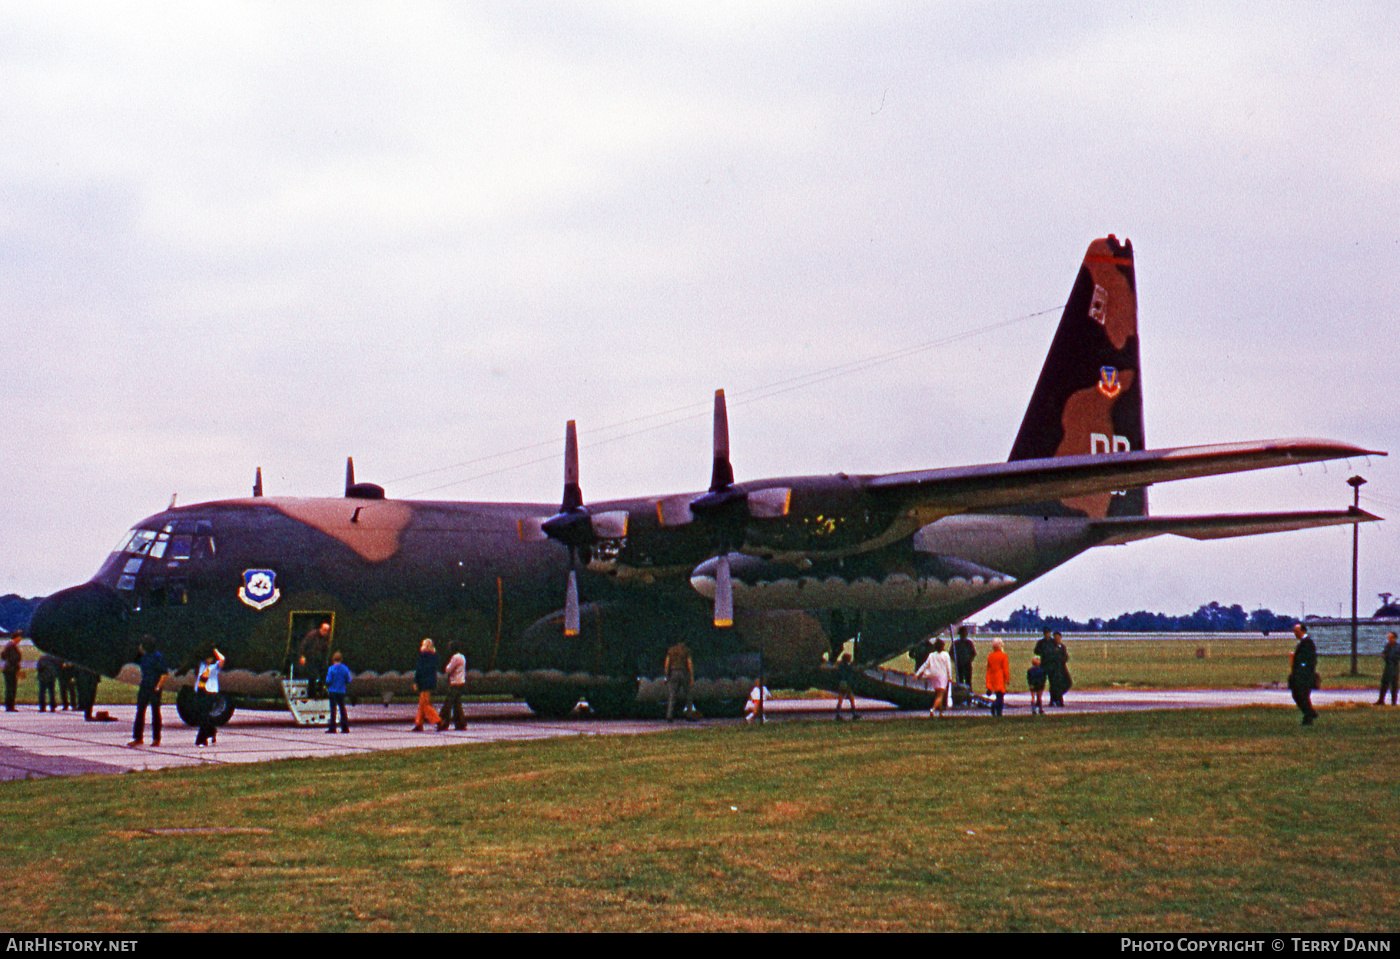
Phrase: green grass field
[1186,820]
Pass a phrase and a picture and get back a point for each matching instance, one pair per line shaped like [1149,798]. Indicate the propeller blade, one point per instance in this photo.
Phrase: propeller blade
[571,603]
[724,593]
[722,476]
[573,495]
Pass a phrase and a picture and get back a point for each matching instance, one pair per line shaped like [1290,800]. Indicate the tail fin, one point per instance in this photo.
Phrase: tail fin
[1088,399]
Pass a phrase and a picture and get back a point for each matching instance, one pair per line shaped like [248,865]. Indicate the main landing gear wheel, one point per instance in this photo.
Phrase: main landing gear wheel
[185,705]
[552,703]
[612,702]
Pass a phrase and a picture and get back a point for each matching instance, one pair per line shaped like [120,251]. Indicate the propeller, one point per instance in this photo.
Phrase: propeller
[725,509]
[575,526]
[572,526]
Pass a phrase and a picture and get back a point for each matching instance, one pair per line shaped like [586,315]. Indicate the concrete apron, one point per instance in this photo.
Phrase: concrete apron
[39,745]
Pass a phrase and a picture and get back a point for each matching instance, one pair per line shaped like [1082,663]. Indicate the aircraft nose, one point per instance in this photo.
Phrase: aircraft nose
[84,624]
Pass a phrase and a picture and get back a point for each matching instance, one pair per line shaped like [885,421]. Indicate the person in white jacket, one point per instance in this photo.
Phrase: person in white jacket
[938,669]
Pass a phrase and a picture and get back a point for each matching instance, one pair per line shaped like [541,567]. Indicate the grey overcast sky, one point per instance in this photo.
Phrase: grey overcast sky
[425,235]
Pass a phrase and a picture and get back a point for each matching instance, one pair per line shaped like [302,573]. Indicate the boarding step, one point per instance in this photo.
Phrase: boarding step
[908,691]
[305,710]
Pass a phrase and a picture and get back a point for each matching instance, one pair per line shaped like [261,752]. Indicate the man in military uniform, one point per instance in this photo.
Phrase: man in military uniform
[680,675]
[87,690]
[12,659]
[314,657]
[1302,678]
[964,652]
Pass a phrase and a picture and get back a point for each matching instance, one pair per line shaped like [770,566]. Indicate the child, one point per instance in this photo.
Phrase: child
[845,675]
[757,696]
[1035,679]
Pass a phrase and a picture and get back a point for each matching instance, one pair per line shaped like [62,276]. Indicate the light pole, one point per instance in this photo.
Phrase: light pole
[1355,483]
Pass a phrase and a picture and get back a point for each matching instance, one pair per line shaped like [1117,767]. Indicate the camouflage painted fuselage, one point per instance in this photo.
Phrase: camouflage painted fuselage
[813,561]
[388,573]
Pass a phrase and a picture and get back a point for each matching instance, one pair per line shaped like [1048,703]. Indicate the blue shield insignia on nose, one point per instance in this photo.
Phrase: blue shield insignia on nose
[259,589]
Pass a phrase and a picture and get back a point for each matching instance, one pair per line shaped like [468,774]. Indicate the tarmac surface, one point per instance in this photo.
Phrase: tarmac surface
[36,745]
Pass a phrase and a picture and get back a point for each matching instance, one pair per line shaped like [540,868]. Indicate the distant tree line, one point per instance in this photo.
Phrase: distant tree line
[16,611]
[1210,618]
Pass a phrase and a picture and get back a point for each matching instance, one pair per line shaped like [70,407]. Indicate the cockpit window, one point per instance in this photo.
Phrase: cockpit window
[139,542]
[176,543]
[188,539]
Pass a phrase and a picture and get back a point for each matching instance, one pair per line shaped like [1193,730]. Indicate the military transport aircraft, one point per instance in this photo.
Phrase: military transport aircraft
[583,600]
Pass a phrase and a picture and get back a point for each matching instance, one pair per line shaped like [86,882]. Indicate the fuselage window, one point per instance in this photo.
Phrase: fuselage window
[203,539]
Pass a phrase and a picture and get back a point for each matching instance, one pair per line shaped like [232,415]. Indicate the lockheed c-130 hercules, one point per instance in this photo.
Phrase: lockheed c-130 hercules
[793,567]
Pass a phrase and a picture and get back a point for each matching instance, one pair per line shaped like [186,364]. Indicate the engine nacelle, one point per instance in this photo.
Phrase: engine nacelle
[925,582]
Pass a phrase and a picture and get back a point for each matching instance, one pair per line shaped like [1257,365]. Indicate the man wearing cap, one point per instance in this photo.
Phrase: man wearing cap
[12,658]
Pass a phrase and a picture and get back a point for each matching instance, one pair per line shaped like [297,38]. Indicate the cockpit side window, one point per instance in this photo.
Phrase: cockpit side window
[203,539]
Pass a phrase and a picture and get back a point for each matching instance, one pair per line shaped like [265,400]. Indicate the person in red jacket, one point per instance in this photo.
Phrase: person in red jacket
[998,675]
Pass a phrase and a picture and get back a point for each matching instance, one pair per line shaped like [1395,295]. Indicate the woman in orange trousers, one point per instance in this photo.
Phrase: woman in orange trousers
[998,675]
[425,681]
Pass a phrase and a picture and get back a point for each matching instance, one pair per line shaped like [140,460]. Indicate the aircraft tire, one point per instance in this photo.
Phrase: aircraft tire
[184,705]
[720,708]
[552,703]
[613,702]
[189,712]
[223,711]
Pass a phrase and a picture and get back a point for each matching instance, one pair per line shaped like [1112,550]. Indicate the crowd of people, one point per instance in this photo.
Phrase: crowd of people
[946,670]
[1049,669]
[58,680]
[76,687]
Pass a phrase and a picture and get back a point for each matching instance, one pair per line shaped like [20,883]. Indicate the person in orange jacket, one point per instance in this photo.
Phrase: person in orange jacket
[998,675]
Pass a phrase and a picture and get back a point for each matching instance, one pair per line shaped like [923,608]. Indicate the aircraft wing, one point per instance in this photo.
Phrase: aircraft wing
[961,489]
[1126,529]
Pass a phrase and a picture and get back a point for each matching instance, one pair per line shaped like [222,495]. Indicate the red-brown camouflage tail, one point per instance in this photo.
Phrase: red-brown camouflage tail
[1088,399]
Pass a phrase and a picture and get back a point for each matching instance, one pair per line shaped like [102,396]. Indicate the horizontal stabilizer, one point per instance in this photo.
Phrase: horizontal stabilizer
[1127,529]
[962,489]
